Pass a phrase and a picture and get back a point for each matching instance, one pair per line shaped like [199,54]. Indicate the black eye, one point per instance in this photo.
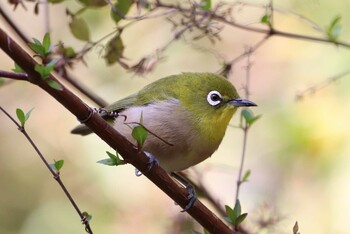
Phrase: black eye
[214,98]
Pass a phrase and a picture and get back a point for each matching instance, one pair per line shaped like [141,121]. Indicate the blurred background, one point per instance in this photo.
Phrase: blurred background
[298,151]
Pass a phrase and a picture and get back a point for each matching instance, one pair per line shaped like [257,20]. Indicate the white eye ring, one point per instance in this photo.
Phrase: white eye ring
[214,98]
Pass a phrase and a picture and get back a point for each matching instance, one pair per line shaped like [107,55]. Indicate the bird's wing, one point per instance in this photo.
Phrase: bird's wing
[122,104]
[150,93]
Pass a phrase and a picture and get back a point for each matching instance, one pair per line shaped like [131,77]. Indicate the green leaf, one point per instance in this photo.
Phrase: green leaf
[113,160]
[205,5]
[265,19]
[37,42]
[87,216]
[140,134]
[240,219]
[27,115]
[17,68]
[47,43]
[114,50]
[23,117]
[2,81]
[122,7]
[234,215]
[43,49]
[42,70]
[69,52]
[45,70]
[58,165]
[248,116]
[107,162]
[20,116]
[333,31]
[54,84]
[230,214]
[246,176]
[37,48]
[79,29]
[237,209]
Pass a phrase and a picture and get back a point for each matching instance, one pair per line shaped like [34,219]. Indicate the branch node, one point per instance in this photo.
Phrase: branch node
[91,113]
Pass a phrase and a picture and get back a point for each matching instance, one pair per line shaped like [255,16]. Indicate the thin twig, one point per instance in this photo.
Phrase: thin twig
[245,128]
[239,179]
[321,85]
[271,30]
[56,175]
[14,75]
[88,93]
[152,133]
[13,25]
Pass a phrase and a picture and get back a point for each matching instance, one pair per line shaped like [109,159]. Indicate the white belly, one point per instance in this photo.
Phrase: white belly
[171,123]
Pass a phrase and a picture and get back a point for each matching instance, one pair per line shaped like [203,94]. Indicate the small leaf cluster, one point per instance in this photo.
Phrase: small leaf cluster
[113,160]
[235,216]
[23,117]
[140,134]
[248,117]
[57,165]
[266,19]
[43,50]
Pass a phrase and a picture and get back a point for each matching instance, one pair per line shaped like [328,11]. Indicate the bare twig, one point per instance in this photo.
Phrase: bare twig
[321,85]
[244,146]
[14,75]
[245,129]
[271,30]
[88,93]
[56,175]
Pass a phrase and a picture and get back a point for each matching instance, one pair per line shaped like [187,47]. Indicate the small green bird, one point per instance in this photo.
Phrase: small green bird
[187,115]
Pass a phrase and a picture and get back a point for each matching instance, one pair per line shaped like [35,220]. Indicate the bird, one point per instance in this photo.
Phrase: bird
[187,115]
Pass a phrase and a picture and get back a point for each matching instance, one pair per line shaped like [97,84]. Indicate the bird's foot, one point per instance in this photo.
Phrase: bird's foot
[151,162]
[192,196]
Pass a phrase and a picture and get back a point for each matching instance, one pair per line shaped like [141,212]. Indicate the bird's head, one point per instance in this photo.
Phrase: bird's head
[210,98]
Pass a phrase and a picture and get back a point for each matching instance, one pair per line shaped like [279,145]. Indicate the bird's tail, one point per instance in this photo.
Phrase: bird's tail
[81,129]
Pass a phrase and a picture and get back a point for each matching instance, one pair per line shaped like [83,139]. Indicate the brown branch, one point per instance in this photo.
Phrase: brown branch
[14,75]
[108,134]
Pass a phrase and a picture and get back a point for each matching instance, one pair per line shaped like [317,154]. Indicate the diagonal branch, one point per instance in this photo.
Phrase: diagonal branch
[108,134]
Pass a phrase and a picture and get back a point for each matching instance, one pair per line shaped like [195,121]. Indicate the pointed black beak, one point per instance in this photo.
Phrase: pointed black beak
[241,102]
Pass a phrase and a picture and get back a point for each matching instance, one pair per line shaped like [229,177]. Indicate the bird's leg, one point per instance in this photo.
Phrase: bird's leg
[151,162]
[192,196]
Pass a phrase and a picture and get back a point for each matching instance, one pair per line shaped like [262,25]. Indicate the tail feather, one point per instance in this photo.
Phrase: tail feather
[81,130]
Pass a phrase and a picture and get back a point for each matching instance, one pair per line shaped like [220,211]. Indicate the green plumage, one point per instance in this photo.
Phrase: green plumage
[189,110]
